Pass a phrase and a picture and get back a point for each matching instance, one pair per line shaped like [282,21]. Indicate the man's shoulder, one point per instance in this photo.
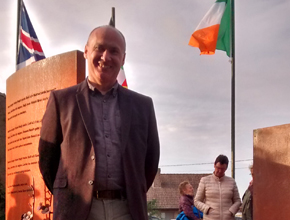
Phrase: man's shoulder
[206,178]
[133,94]
[228,178]
[71,89]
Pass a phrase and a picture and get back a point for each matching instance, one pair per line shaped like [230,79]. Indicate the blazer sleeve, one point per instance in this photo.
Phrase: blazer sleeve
[49,143]
[200,196]
[153,148]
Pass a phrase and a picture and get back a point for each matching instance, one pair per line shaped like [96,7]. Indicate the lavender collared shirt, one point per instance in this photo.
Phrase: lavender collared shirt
[107,125]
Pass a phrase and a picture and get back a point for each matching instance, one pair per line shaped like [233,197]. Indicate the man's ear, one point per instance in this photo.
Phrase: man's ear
[86,51]
[123,61]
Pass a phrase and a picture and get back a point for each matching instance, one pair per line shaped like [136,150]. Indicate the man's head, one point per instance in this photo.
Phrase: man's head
[105,54]
[220,165]
[185,188]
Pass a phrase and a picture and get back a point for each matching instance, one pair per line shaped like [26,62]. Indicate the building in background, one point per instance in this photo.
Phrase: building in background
[165,191]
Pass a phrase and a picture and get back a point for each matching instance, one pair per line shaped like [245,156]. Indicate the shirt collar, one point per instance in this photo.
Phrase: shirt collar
[217,178]
[112,91]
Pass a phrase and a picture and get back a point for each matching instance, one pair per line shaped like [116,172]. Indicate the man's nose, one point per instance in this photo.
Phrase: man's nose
[106,55]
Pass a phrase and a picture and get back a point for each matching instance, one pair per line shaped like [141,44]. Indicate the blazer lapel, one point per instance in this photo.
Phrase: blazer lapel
[82,98]
[125,113]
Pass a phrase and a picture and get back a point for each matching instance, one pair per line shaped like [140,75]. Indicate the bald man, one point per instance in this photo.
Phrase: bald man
[99,145]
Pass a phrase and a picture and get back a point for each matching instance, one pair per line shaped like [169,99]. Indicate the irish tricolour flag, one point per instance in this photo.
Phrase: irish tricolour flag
[213,32]
[122,78]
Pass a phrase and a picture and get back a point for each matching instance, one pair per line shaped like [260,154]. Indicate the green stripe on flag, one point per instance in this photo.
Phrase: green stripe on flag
[223,41]
[222,1]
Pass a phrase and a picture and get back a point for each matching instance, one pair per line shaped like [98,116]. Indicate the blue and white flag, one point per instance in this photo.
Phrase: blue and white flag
[29,47]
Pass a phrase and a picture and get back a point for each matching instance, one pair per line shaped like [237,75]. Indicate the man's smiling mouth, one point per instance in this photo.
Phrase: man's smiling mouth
[103,65]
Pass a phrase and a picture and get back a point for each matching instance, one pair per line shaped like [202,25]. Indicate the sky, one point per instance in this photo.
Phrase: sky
[191,93]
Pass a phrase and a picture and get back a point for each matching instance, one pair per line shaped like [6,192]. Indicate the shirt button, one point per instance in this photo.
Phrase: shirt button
[93,157]
[91,182]
[106,136]
[104,100]
[108,155]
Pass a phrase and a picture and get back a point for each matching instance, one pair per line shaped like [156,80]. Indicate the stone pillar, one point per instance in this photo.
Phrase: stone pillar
[2,152]
[271,173]
[2,137]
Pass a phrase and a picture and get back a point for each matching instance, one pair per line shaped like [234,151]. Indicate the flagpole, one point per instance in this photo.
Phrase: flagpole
[233,86]
[113,17]
[19,2]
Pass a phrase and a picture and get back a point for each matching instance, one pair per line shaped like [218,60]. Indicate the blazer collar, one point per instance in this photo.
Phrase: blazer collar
[125,105]
[82,97]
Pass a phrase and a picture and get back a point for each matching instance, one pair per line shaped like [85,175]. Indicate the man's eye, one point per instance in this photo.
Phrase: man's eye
[99,48]
[114,51]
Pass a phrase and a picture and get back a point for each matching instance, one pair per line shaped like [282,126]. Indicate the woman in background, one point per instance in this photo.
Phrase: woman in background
[186,200]
[247,207]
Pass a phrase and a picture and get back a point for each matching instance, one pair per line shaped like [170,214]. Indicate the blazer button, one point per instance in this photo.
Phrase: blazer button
[91,182]
[93,157]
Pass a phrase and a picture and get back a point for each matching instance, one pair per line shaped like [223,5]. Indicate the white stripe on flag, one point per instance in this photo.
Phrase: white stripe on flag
[213,16]
[25,63]
[28,35]
[32,51]
[121,76]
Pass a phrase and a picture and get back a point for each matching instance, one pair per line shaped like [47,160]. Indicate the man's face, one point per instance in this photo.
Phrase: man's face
[220,169]
[105,54]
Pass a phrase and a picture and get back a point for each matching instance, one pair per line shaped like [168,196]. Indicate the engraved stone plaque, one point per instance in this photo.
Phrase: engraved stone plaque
[27,93]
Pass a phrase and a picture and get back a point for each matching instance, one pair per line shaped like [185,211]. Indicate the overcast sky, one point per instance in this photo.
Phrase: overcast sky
[191,93]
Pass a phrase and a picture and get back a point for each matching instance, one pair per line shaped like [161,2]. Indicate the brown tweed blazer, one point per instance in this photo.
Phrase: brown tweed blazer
[66,150]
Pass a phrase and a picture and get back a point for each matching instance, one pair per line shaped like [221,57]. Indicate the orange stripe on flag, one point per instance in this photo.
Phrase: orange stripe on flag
[205,39]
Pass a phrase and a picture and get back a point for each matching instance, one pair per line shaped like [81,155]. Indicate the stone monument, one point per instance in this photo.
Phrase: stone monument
[271,173]
[27,93]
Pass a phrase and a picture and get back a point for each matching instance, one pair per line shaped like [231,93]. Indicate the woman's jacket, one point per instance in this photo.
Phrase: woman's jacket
[219,194]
